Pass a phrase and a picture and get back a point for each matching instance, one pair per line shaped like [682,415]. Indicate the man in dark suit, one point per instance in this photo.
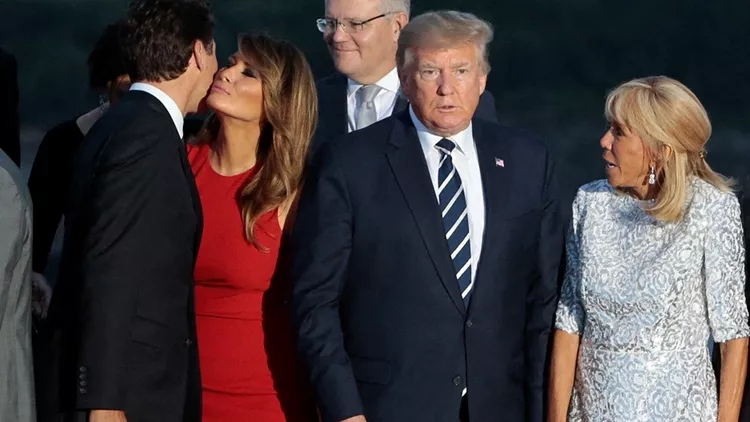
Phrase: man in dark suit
[10,140]
[362,37]
[426,250]
[124,304]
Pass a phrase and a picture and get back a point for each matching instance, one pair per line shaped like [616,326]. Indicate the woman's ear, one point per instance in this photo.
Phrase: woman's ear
[666,151]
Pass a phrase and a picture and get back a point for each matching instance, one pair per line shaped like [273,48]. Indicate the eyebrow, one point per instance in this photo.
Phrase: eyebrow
[437,66]
[238,58]
[344,19]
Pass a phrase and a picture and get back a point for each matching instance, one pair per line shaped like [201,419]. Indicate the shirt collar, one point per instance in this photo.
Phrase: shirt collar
[390,82]
[174,111]
[463,140]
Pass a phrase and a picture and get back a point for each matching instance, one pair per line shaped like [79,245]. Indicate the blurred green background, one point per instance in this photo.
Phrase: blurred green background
[553,61]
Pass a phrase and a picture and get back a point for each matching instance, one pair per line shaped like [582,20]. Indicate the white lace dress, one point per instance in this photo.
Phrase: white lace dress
[645,296]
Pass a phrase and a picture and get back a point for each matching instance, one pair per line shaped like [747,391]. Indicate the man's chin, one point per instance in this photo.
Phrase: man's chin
[450,127]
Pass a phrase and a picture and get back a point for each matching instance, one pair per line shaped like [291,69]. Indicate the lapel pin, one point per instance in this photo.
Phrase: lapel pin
[499,162]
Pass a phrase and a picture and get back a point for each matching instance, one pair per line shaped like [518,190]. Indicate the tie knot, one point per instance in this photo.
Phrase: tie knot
[446,146]
[367,93]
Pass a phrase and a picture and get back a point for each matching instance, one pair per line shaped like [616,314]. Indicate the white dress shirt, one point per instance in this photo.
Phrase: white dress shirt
[384,101]
[174,111]
[466,163]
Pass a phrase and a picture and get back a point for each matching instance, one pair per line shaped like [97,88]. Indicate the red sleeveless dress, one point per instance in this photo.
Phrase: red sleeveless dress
[249,368]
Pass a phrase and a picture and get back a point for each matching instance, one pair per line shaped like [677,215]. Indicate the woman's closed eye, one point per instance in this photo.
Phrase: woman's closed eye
[250,72]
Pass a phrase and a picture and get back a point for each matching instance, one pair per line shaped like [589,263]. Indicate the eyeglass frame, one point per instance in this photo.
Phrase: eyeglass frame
[351,23]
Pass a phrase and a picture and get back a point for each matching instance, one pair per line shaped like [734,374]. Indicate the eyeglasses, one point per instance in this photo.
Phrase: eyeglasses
[350,26]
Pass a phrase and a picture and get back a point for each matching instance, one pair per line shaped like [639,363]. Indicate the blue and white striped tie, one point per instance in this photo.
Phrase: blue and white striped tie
[455,217]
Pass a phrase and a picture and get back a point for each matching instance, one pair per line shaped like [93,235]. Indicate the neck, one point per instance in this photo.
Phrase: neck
[377,75]
[177,90]
[236,147]
[645,192]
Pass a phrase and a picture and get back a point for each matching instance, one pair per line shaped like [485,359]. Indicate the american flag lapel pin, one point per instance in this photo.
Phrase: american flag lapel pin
[499,162]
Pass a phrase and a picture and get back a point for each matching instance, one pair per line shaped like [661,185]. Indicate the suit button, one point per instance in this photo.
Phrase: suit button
[82,369]
[470,323]
[82,390]
[457,380]
[83,383]
[188,342]
[82,376]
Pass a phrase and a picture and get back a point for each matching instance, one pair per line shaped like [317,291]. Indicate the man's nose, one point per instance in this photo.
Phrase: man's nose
[338,34]
[445,84]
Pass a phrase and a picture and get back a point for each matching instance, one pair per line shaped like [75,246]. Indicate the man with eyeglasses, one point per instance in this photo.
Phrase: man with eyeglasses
[362,37]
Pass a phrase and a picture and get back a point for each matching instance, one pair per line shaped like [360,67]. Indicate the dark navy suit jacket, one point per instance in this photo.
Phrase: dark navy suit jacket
[376,304]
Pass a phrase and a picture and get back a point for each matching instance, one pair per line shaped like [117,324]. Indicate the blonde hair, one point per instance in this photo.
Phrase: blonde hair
[664,112]
[445,28]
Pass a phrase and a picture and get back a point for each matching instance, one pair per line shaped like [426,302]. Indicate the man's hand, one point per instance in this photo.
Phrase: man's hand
[41,295]
[360,418]
[107,416]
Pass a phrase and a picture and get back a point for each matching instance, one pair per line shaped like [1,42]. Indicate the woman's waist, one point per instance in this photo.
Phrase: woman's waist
[645,348]
[239,304]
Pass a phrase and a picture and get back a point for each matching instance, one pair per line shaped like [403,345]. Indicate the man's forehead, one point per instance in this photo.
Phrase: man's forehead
[466,54]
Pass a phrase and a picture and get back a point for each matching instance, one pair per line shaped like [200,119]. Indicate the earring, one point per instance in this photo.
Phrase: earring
[651,176]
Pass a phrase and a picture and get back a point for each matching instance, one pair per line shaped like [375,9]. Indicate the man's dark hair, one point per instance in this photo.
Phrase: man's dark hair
[105,61]
[159,37]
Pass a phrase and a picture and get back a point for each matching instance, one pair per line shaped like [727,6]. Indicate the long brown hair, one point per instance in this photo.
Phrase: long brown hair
[290,116]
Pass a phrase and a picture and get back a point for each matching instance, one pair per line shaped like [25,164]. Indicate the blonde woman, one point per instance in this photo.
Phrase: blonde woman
[655,269]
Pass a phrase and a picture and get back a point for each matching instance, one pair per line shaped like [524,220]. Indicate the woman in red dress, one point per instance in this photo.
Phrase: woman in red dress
[248,163]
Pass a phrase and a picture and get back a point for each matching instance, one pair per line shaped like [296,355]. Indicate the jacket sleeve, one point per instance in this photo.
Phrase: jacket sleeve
[321,245]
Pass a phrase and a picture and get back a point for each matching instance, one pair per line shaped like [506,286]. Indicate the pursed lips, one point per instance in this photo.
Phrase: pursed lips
[218,88]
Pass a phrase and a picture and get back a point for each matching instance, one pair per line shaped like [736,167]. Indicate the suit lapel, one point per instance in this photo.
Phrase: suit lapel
[194,196]
[496,187]
[187,171]
[414,180]
[401,103]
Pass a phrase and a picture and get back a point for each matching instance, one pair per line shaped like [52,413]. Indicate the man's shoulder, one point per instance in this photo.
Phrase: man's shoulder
[332,79]
[374,136]
[359,146]
[130,129]
[326,86]
[510,137]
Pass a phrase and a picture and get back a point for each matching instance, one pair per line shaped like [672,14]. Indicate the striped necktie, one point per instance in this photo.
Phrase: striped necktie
[455,217]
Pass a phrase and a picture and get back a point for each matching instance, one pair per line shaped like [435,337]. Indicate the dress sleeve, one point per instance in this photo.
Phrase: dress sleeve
[570,313]
[724,269]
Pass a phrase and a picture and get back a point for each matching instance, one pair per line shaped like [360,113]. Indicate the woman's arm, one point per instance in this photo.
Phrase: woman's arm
[562,374]
[569,324]
[724,269]
[733,373]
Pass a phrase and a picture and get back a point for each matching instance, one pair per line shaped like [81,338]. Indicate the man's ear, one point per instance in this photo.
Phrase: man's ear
[403,77]
[482,82]
[200,54]
[399,20]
